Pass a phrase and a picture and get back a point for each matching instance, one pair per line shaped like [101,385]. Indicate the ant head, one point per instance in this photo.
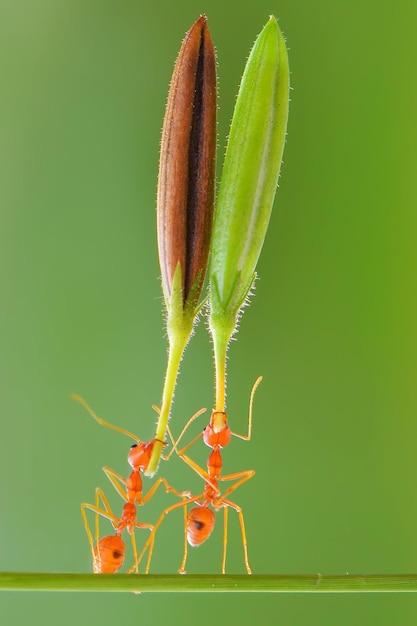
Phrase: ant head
[140,454]
[109,555]
[218,430]
[200,524]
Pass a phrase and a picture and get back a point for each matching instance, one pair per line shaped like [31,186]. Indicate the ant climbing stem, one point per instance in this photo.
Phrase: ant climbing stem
[108,553]
[200,520]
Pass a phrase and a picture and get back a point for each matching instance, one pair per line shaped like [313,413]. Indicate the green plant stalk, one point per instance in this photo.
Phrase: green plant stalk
[175,352]
[221,333]
[315,583]
[180,325]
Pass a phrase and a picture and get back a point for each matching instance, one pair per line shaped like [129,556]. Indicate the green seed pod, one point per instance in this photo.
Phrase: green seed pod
[247,186]
[250,171]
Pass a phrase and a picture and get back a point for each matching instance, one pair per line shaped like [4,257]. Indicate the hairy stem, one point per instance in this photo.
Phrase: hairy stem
[176,349]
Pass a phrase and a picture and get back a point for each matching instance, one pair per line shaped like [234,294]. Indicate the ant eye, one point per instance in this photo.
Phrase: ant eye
[134,445]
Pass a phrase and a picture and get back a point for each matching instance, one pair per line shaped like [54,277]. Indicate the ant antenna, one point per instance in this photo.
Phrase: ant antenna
[98,419]
[252,395]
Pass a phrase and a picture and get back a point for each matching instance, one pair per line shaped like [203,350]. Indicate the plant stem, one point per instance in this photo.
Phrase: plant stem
[177,345]
[221,329]
[220,356]
[16,581]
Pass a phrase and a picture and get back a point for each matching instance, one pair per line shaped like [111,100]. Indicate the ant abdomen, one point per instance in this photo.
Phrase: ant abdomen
[109,555]
[200,524]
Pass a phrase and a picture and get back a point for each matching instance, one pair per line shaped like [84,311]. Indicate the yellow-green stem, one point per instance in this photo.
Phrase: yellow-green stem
[177,345]
[221,330]
[220,356]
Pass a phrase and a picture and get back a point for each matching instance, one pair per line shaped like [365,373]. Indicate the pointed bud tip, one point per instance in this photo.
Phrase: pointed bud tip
[200,23]
[272,24]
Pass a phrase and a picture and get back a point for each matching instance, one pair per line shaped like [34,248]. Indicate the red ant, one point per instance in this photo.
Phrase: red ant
[108,553]
[200,520]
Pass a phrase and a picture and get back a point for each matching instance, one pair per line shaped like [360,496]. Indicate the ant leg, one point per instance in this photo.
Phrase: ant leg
[243,476]
[135,567]
[239,511]
[149,545]
[105,512]
[225,529]
[150,542]
[151,539]
[135,552]
[91,541]
[199,470]
[168,489]
[185,553]
[173,507]
[252,395]
[175,443]
[117,480]
[134,548]
[99,512]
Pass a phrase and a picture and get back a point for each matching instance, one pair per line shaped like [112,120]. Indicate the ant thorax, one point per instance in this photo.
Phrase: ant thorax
[215,463]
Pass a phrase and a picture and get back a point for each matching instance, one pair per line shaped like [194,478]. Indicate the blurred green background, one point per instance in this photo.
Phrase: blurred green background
[332,327]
